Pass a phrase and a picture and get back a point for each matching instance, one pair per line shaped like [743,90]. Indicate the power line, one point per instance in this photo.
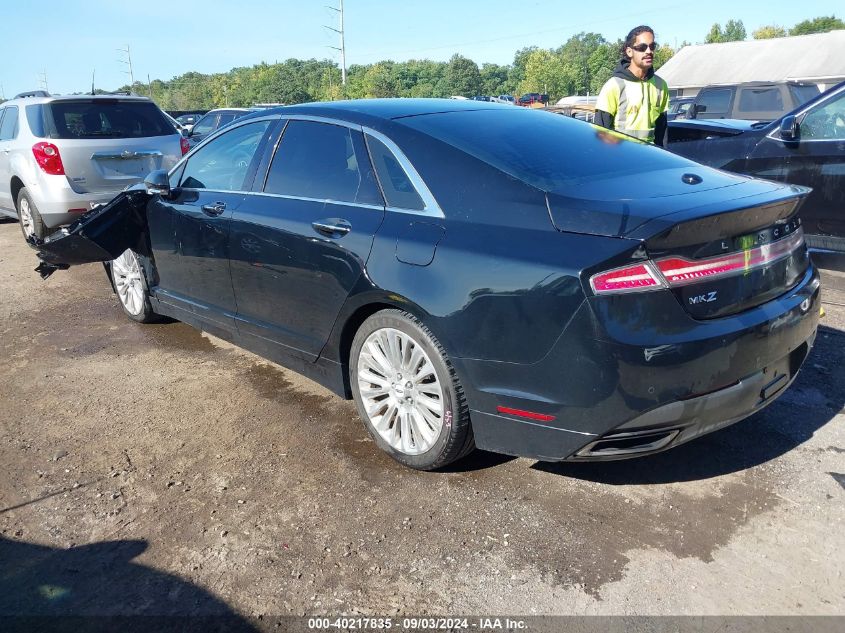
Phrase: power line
[128,61]
[342,48]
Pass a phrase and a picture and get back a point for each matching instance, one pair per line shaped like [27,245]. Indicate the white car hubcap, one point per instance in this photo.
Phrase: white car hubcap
[126,273]
[400,391]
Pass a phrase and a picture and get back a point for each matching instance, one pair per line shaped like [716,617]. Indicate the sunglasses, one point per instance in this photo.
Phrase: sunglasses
[642,48]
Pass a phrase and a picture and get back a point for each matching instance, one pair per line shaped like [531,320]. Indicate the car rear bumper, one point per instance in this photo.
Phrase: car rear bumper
[625,393]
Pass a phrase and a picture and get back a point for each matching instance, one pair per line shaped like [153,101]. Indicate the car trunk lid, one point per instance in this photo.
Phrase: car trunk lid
[718,254]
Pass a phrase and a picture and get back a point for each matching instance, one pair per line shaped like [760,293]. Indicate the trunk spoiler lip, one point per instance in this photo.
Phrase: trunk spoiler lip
[655,226]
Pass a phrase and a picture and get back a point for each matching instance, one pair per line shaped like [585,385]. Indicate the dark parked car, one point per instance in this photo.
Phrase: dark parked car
[474,275]
[752,101]
[679,107]
[213,121]
[533,98]
[805,147]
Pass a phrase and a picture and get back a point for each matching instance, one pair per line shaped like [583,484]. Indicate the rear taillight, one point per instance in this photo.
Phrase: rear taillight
[672,272]
[634,278]
[679,271]
[48,158]
[183,143]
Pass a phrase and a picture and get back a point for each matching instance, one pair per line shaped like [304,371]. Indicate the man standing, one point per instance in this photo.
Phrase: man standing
[634,100]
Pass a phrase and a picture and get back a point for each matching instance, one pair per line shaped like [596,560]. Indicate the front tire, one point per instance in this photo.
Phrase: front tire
[130,285]
[29,217]
[407,392]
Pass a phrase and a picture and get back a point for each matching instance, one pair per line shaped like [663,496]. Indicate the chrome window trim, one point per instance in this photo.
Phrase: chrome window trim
[430,206]
[362,205]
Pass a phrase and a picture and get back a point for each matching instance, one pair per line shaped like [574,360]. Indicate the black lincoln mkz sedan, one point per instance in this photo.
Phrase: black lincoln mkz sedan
[474,275]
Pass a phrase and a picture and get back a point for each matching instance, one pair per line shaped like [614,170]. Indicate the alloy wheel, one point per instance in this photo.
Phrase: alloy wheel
[126,273]
[400,391]
[26,217]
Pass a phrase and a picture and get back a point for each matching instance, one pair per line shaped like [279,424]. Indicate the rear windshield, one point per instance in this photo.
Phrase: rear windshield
[98,119]
[548,151]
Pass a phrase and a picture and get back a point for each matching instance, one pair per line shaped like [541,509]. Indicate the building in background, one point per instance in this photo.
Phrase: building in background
[817,58]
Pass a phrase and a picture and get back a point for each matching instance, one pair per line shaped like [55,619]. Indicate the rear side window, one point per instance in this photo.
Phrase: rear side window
[104,118]
[35,119]
[9,125]
[323,162]
[716,101]
[760,100]
[398,190]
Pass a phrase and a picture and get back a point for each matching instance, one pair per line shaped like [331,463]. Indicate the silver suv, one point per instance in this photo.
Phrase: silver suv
[62,156]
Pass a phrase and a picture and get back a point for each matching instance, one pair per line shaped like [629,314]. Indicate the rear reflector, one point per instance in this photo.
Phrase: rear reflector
[77,210]
[672,272]
[541,417]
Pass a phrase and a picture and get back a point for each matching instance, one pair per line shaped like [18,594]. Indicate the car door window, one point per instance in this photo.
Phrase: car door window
[9,124]
[826,121]
[204,125]
[399,192]
[223,164]
[321,161]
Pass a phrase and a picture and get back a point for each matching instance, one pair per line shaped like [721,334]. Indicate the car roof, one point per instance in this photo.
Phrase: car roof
[361,110]
[80,97]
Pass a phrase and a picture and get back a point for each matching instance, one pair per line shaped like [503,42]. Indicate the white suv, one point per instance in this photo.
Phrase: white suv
[62,156]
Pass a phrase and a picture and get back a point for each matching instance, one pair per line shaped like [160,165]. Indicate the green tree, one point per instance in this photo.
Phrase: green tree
[734,31]
[463,76]
[494,79]
[379,81]
[821,24]
[544,73]
[769,32]
[602,62]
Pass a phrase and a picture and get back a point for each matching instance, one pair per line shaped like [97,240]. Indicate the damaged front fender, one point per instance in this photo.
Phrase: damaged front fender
[100,235]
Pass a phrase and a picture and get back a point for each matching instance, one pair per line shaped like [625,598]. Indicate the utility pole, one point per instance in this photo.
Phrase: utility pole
[150,84]
[342,48]
[42,80]
[129,72]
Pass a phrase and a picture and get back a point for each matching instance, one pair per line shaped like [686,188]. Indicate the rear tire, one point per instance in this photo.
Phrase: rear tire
[407,392]
[130,286]
[29,217]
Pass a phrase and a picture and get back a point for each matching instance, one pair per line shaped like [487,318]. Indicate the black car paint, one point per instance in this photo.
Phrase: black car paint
[758,150]
[501,287]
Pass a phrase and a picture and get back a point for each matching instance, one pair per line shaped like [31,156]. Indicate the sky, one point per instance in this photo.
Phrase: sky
[61,43]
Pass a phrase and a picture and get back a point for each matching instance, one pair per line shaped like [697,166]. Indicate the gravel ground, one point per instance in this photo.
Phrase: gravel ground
[155,470]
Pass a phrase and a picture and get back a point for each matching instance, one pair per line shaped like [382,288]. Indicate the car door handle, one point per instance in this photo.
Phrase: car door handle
[332,227]
[215,208]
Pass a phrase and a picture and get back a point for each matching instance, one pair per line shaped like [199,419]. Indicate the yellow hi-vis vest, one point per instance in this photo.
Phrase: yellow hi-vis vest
[634,105]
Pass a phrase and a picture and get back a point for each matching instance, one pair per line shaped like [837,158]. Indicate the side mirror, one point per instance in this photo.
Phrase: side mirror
[695,110]
[158,182]
[184,132]
[789,129]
